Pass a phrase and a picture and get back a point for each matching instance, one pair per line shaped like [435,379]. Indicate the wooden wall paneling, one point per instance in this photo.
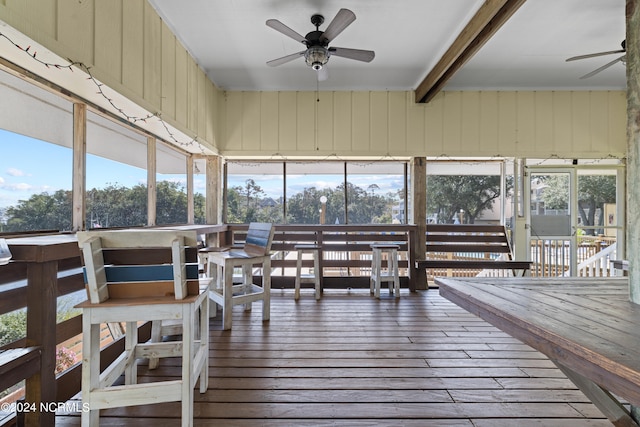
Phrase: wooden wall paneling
[434,126]
[397,127]
[269,122]
[525,122]
[182,85]
[251,121]
[201,109]
[417,140]
[108,38]
[562,127]
[470,119]
[306,132]
[212,122]
[599,120]
[616,141]
[132,46]
[507,130]
[192,95]
[379,122]
[168,71]
[325,121]
[452,123]
[75,30]
[287,121]
[233,125]
[342,121]
[361,117]
[152,56]
[580,119]
[543,122]
[488,118]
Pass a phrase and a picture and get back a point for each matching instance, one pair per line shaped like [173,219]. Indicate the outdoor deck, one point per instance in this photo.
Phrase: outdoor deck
[350,359]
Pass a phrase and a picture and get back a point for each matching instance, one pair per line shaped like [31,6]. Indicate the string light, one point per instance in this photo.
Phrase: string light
[130,118]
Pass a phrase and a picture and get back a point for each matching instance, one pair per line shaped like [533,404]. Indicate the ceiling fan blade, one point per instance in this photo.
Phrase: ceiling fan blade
[357,54]
[342,20]
[323,73]
[285,59]
[604,67]
[280,27]
[593,55]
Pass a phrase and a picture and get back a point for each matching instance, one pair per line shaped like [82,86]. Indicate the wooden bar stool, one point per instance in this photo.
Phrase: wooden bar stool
[314,277]
[391,275]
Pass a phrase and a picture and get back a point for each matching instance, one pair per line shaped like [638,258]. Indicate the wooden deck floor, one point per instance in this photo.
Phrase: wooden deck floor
[352,360]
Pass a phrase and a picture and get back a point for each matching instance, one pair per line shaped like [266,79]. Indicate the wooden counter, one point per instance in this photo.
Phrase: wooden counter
[588,327]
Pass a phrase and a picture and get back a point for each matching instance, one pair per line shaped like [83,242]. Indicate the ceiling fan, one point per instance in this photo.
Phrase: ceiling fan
[318,51]
[605,66]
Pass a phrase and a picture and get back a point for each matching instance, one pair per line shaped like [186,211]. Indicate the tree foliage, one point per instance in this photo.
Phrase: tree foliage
[447,195]
[112,206]
[594,191]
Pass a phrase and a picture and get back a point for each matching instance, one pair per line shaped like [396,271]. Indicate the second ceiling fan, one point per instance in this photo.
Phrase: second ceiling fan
[605,66]
[317,42]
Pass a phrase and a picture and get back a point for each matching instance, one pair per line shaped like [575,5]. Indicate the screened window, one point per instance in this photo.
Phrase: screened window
[464,192]
[116,177]
[254,192]
[171,186]
[307,192]
[36,160]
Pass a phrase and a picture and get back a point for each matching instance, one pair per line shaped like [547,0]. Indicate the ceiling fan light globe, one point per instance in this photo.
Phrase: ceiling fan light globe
[316,57]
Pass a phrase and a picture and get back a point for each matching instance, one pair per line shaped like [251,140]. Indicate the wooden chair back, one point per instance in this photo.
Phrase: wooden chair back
[139,263]
[259,238]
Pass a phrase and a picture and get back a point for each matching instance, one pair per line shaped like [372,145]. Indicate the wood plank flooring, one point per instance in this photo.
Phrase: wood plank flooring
[352,360]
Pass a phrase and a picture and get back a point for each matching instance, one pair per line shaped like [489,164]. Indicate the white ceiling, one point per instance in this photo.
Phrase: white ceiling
[230,41]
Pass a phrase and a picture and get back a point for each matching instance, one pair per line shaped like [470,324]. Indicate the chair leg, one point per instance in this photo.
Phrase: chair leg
[204,345]
[130,343]
[227,295]
[188,329]
[247,283]
[266,289]
[90,368]
[298,274]
[396,275]
[156,336]
[316,272]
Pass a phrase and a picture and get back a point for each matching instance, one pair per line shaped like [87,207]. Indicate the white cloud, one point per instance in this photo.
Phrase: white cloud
[15,172]
[18,187]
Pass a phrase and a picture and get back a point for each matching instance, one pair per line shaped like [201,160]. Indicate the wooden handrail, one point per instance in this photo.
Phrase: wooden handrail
[44,267]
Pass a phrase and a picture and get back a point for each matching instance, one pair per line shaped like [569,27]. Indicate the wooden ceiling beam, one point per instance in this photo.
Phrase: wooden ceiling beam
[484,24]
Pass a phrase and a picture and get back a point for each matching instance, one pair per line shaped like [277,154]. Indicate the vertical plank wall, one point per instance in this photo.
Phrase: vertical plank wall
[535,124]
[129,49]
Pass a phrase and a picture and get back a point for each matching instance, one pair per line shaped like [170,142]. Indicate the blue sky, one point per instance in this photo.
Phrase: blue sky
[29,166]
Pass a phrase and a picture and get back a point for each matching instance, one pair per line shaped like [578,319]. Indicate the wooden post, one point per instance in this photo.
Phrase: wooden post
[419,197]
[79,166]
[41,331]
[633,147]
[190,195]
[151,181]
[214,189]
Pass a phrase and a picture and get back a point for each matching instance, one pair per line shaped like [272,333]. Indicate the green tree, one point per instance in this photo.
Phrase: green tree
[171,203]
[249,200]
[42,211]
[593,192]
[13,326]
[447,195]
[555,192]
